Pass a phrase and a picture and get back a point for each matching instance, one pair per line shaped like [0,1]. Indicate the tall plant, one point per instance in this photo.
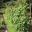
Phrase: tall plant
[16,17]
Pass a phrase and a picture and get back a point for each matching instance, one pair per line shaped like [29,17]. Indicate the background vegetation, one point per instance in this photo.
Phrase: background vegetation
[16,16]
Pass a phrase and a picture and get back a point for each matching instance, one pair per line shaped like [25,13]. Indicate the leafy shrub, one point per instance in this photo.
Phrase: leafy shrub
[16,18]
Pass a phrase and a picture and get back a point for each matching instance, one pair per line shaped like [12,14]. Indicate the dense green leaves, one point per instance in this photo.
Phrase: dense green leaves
[16,17]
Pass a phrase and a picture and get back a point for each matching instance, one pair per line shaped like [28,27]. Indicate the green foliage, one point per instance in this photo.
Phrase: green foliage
[16,18]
